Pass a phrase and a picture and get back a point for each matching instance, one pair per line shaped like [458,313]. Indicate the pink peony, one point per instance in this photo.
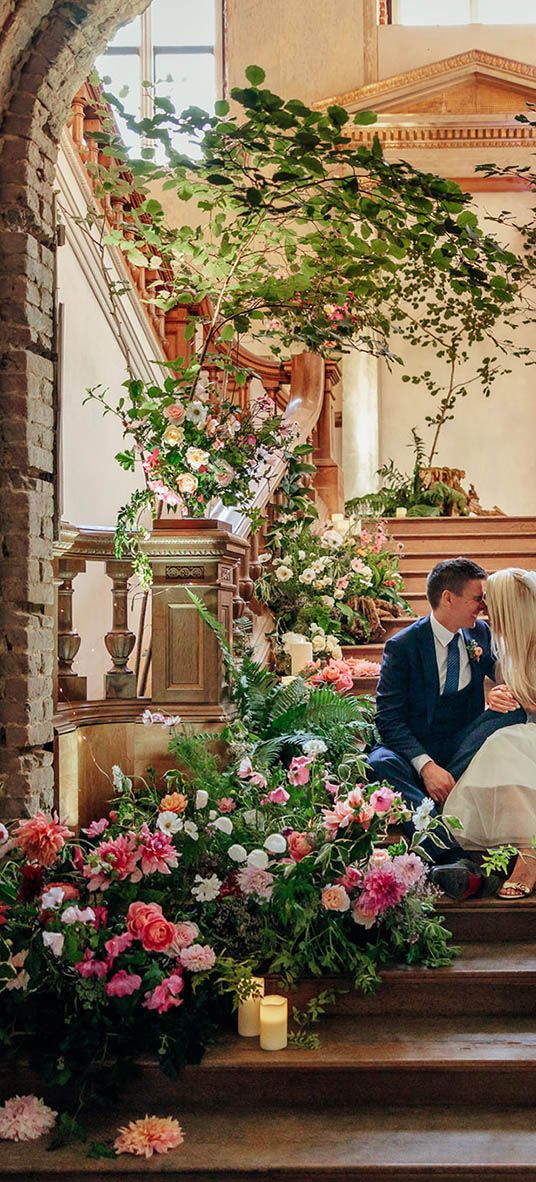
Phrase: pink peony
[157,851]
[226,804]
[123,984]
[278,795]
[253,881]
[185,934]
[90,966]
[25,1118]
[96,827]
[117,858]
[382,800]
[335,898]
[409,869]
[41,838]
[164,996]
[381,890]
[152,1134]
[118,944]
[298,845]
[198,958]
[298,772]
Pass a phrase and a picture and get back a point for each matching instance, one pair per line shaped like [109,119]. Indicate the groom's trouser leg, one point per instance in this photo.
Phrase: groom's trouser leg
[400,773]
[473,737]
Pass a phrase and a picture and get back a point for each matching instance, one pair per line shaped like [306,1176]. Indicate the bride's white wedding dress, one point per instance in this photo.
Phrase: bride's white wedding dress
[495,799]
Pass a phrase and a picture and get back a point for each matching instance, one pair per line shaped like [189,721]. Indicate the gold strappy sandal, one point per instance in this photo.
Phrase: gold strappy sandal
[514,890]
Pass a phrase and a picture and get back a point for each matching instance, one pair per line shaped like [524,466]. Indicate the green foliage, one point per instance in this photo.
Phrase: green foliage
[499,859]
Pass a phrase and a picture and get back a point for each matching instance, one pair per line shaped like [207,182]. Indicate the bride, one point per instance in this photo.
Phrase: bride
[495,799]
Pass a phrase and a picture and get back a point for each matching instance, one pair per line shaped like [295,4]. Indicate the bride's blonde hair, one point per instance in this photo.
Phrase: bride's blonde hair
[511,599]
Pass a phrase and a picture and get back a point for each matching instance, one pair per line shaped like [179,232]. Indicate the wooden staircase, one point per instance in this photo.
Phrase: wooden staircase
[433,1078]
[494,542]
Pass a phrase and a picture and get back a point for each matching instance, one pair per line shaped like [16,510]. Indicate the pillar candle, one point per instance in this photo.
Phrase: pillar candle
[401,512]
[273,1021]
[339,522]
[301,654]
[248,1011]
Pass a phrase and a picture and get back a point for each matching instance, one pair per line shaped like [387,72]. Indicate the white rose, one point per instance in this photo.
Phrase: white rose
[196,457]
[283,574]
[275,843]
[336,652]
[258,858]
[314,747]
[237,853]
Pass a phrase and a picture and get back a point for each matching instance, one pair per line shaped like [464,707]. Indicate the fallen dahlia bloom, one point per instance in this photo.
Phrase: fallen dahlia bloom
[41,838]
[198,958]
[151,1134]
[24,1118]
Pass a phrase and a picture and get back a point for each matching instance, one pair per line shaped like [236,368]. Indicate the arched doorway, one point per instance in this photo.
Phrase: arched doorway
[47,50]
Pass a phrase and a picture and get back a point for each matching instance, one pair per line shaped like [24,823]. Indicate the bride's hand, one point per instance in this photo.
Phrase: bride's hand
[501,699]
[437,781]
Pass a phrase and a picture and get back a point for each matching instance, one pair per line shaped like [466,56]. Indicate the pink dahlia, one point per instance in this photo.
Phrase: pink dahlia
[164,996]
[253,881]
[151,1134]
[41,838]
[123,984]
[198,958]
[157,851]
[409,869]
[24,1118]
[382,889]
[114,859]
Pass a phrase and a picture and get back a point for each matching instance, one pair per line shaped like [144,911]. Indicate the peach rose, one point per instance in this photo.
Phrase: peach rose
[298,845]
[335,898]
[175,802]
[187,483]
[175,413]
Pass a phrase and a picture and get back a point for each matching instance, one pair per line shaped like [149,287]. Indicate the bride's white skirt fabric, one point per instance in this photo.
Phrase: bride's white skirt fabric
[495,799]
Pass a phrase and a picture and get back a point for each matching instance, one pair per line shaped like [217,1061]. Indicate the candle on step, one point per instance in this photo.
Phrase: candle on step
[339,522]
[301,654]
[273,1020]
[249,1010]
[401,512]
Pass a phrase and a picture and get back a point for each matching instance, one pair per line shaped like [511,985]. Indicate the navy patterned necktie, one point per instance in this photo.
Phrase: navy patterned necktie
[453,666]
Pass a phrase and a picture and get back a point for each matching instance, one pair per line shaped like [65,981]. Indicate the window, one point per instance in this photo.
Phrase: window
[463,12]
[172,46]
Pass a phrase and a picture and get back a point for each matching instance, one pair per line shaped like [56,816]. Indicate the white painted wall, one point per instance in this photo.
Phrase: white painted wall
[404,47]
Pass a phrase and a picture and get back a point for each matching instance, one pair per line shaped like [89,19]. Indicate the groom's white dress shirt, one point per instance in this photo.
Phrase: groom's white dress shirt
[442,639]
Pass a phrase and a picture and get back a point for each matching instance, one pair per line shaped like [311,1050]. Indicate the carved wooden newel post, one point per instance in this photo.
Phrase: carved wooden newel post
[120,680]
[71,687]
[187,664]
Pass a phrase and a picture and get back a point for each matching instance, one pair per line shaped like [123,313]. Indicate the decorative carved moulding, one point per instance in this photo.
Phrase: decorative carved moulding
[187,663]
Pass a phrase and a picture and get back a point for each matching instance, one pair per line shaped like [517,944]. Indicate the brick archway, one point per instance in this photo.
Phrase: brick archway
[47,49]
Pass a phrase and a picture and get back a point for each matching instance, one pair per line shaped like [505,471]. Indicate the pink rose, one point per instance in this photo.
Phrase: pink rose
[298,845]
[335,898]
[138,914]
[123,984]
[185,934]
[175,413]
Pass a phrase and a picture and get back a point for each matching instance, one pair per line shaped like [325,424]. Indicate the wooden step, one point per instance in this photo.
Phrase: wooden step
[224,1144]
[402,527]
[494,559]
[491,920]
[485,979]
[475,546]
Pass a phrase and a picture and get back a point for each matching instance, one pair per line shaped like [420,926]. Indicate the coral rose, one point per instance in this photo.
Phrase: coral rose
[298,845]
[138,914]
[157,934]
[174,802]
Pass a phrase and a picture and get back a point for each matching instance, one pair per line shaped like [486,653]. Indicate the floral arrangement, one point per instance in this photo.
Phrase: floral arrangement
[330,585]
[341,674]
[265,851]
[194,445]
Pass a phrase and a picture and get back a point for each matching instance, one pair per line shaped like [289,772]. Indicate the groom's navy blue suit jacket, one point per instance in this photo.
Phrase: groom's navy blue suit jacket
[408,689]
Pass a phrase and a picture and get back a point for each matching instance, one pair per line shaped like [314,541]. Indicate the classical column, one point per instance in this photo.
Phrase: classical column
[360,424]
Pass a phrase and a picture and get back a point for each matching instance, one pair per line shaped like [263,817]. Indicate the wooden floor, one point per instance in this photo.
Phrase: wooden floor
[433,1078]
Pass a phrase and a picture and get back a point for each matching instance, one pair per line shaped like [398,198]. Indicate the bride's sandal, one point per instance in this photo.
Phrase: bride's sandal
[514,890]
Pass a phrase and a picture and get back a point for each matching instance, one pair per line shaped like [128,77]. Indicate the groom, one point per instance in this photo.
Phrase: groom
[430,707]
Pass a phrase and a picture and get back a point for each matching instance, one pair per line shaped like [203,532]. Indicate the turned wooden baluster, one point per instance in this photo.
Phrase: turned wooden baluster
[120,680]
[245,582]
[71,687]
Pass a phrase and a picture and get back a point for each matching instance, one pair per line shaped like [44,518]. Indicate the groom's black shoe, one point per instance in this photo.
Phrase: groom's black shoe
[460,880]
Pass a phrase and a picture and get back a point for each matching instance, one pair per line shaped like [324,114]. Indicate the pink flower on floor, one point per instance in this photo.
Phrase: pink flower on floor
[25,1118]
[381,890]
[253,881]
[96,827]
[114,859]
[226,804]
[278,795]
[152,1134]
[118,944]
[164,996]
[198,958]
[382,800]
[123,984]
[409,869]
[299,772]
[185,934]
[157,851]
[90,966]
[335,898]
[41,838]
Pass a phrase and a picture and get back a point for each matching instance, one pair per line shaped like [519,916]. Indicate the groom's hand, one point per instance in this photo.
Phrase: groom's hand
[501,699]
[437,781]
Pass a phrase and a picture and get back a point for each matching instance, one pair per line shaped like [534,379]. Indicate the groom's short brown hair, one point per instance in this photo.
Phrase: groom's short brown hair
[451,575]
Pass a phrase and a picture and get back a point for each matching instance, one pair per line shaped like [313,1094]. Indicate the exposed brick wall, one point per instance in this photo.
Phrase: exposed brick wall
[47,49]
